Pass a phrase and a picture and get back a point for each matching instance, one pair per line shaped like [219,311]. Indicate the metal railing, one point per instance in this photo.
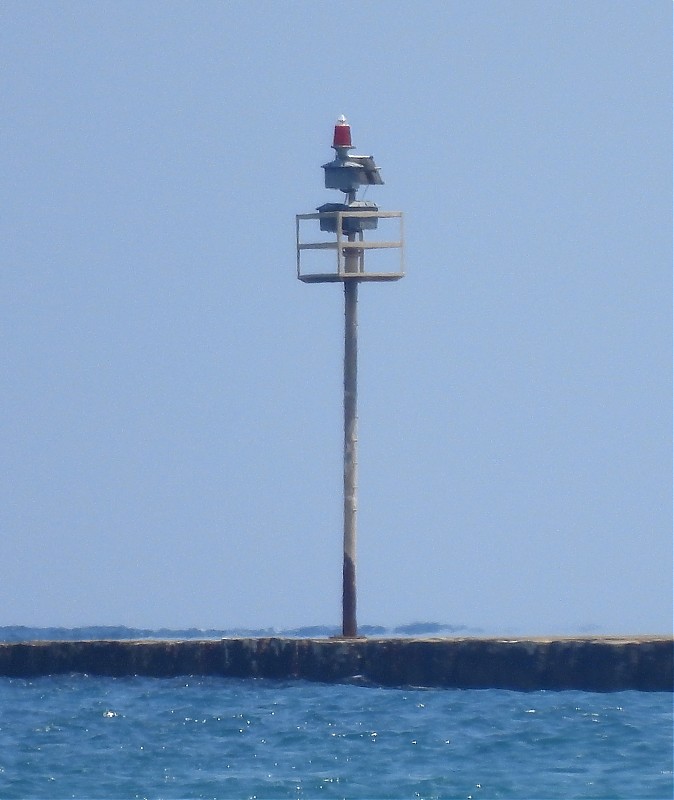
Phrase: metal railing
[348,244]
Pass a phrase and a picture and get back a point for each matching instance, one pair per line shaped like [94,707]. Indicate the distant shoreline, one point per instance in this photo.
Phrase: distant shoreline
[26,633]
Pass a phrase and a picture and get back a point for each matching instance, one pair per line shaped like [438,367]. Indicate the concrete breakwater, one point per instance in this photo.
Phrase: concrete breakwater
[601,664]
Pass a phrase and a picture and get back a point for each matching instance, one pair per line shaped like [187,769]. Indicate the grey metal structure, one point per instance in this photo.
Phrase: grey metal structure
[349,221]
[349,226]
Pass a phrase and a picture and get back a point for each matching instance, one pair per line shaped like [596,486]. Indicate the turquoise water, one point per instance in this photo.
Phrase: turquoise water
[90,737]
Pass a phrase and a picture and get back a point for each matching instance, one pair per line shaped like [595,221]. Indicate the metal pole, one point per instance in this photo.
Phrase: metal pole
[349,625]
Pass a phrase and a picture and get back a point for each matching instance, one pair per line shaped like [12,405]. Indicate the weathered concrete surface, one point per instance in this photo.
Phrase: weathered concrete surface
[600,664]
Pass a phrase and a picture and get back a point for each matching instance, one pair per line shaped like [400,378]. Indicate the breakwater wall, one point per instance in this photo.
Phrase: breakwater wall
[601,664]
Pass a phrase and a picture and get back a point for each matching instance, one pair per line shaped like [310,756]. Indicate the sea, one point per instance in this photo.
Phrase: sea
[79,736]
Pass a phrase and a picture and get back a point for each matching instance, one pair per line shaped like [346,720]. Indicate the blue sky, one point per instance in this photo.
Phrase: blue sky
[170,441]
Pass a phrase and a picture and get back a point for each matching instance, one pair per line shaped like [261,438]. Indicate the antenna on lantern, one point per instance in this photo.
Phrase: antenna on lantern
[347,223]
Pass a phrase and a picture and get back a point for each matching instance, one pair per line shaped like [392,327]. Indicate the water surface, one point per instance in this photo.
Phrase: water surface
[78,736]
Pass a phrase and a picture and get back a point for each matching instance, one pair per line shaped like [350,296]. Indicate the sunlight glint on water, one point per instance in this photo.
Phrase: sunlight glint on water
[75,736]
